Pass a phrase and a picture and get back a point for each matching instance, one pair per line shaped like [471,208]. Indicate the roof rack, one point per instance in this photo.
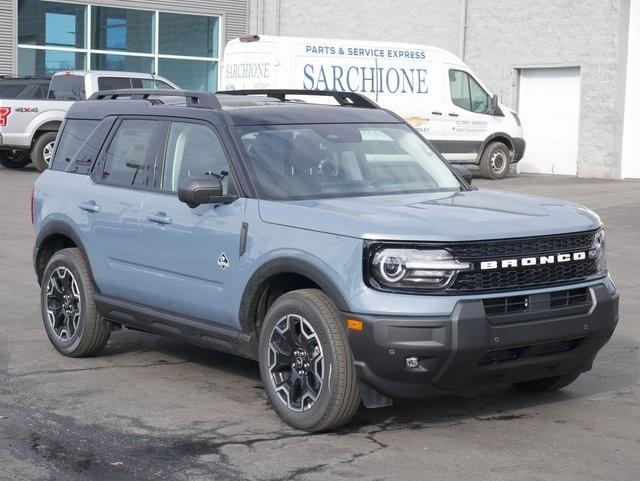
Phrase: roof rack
[353,99]
[193,98]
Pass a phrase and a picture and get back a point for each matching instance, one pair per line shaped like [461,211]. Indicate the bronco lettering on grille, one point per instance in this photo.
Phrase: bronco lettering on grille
[532,261]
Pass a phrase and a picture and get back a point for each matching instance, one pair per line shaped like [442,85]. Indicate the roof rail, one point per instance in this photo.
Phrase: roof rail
[193,98]
[353,99]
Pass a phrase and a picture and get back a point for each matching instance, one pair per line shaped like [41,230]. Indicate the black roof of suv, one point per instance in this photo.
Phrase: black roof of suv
[234,108]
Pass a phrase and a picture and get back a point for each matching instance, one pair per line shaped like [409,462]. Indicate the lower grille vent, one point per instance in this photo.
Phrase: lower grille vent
[497,356]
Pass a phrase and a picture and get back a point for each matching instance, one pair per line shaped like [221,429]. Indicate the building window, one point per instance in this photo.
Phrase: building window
[54,36]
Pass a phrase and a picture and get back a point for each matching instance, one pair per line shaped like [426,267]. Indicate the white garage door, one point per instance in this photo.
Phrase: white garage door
[549,106]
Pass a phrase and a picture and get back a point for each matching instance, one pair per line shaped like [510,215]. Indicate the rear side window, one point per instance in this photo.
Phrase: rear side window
[129,159]
[70,143]
[67,87]
[114,83]
[155,84]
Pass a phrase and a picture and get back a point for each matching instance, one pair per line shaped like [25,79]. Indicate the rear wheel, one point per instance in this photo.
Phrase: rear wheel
[42,151]
[69,311]
[14,159]
[306,363]
[495,161]
[547,384]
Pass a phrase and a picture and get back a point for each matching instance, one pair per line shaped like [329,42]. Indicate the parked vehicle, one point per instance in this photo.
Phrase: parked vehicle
[28,127]
[24,87]
[429,87]
[330,243]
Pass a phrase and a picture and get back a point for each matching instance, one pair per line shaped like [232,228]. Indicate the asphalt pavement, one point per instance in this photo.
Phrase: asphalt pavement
[152,408]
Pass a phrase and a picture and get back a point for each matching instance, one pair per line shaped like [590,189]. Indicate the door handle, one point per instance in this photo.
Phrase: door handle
[159,218]
[436,113]
[451,114]
[90,206]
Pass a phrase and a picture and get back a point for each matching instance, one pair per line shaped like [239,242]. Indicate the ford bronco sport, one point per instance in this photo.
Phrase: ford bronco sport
[329,242]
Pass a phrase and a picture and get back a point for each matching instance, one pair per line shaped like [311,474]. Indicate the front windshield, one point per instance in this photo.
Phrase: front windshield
[340,160]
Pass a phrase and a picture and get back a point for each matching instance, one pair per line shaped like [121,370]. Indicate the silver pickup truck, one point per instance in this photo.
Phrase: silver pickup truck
[28,128]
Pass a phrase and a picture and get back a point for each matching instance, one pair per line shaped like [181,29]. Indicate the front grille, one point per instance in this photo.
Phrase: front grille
[523,276]
[522,247]
[497,356]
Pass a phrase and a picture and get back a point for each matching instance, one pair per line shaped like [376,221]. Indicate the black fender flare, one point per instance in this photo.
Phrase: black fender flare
[492,137]
[285,265]
[59,227]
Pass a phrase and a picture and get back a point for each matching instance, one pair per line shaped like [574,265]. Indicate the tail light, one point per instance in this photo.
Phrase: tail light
[247,37]
[33,196]
[4,113]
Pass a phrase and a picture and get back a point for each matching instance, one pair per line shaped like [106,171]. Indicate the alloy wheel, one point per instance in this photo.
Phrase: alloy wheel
[296,362]
[47,153]
[63,304]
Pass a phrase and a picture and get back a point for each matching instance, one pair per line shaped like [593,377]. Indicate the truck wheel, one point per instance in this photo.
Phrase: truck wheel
[547,384]
[306,363]
[14,159]
[495,161]
[69,311]
[42,151]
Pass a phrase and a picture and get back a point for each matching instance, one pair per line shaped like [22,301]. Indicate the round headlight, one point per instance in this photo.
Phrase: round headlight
[415,268]
[392,268]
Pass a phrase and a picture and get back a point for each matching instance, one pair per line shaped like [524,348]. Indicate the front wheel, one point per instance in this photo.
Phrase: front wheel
[495,161]
[42,151]
[306,363]
[14,159]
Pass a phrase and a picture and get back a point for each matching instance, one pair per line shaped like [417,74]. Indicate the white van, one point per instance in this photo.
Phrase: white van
[431,88]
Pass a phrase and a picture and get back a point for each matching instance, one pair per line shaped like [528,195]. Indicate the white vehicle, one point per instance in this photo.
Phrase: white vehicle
[28,127]
[429,87]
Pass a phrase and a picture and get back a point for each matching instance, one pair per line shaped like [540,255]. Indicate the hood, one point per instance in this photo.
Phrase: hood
[441,216]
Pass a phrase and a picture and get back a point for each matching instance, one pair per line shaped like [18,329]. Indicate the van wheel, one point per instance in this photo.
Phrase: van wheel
[306,363]
[495,161]
[42,151]
[69,311]
[547,384]
[14,159]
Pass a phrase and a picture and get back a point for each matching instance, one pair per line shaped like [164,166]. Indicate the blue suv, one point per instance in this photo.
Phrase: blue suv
[331,243]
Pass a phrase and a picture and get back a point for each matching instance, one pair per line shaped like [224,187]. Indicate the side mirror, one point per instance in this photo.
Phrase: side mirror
[494,105]
[463,172]
[206,189]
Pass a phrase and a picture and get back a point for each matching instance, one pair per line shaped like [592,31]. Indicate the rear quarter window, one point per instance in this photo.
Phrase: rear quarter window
[79,144]
[67,87]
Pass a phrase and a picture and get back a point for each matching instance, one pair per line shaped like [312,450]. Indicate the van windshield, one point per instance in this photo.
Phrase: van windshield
[340,160]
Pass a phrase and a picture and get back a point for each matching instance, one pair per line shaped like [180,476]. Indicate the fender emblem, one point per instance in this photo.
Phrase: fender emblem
[223,262]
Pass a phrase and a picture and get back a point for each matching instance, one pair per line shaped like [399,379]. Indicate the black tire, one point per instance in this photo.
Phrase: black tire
[547,384]
[91,333]
[38,151]
[338,397]
[495,162]
[14,159]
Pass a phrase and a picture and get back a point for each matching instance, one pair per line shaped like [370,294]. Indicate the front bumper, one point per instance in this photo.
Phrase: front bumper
[470,348]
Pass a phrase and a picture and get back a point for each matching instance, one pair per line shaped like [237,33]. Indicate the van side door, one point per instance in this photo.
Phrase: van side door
[192,254]
[467,122]
[412,88]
